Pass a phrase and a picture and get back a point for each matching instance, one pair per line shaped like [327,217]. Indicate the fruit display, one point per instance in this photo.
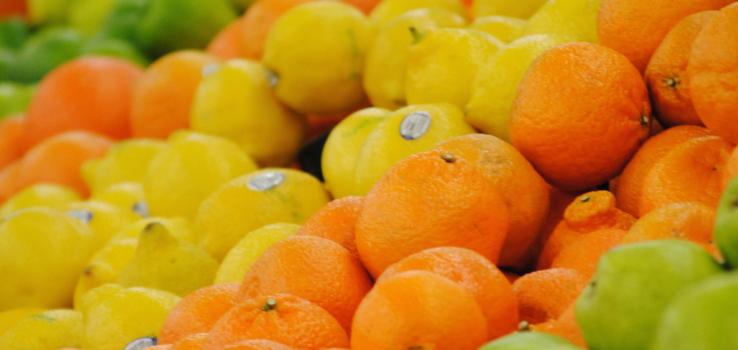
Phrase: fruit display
[368,174]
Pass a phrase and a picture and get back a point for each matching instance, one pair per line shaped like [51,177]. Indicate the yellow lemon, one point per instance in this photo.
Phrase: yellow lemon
[190,167]
[105,220]
[240,258]
[10,317]
[252,201]
[127,196]
[573,19]
[53,329]
[234,101]
[41,195]
[517,8]
[315,52]
[386,62]
[442,67]
[127,161]
[506,29]
[388,10]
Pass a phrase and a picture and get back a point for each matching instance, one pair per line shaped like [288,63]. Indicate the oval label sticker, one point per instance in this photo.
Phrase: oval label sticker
[266,181]
[415,125]
[83,215]
[141,343]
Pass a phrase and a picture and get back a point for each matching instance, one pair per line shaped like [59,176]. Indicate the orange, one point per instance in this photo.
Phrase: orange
[314,268]
[418,310]
[559,200]
[589,212]
[713,73]
[692,221]
[581,112]
[198,312]
[430,199]
[229,42]
[475,274]
[523,190]
[89,93]
[191,342]
[730,171]
[58,159]
[666,74]
[510,276]
[565,326]
[11,139]
[635,28]
[544,295]
[336,221]
[9,181]
[258,344]
[282,318]
[162,101]
[258,21]
[628,188]
[584,254]
[10,8]
[690,172]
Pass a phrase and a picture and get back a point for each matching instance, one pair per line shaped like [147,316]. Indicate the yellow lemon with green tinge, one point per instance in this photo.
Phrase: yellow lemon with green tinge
[365,145]
[42,252]
[104,219]
[574,19]
[234,101]
[504,28]
[116,316]
[443,65]
[189,169]
[178,227]
[315,52]
[495,88]
[388,10]
[127,196]
[47,330]
[240,258]
[517,8]
[40,195]
[10,317]
[254,200]
[386,62]
[166,263]
[127,161]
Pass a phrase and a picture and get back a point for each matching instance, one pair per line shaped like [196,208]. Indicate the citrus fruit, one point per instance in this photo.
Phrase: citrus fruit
[388,10]
[229,43]
[41,195]
[575,20]
[690,220]
[336,221]
[52,329]
[544,294]
[583,255]
[507,29]
[103,219]
[518,9]
[126,161]
[198,311]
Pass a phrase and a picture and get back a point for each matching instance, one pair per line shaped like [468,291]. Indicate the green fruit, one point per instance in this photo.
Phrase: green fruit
[726,224]
[7,62]
[44,51]
[14,98]
[111,47]
[235,101]
[703,317]
[626,299]
[48,11]
[386,62]
[42,251]
[239,259]
[163,262]
[575,19]
[316,53]
[529,341]
[13,33]
[41,195]
[161,26]
[116,316]
[495,87]
[53,329]
[88,16]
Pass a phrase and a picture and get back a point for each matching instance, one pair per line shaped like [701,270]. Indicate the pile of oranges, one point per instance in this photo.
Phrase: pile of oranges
[474,238]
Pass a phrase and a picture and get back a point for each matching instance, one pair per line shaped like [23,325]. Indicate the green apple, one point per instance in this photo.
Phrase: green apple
[14,98]
[7,61]
[88,16]
[519,8]
[726,224]
[530,341]
[13,33]
[161,26]
[114,48]
[495,87]
[48,11]
[703,317]
[623,304]
[44,51]
[573,18]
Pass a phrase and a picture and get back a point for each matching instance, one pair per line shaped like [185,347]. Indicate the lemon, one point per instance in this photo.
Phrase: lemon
[105,266]
[388,10]
[126,161]
[105,220]
[47,330]
[240,258]
[386,62]
[235,101]
[518,8]
[252,201]
[315,52]
[443,65]
[496,86]
[40,195]
[178,227]
[10,317]
[367,144]
[188,169]
[163,262]
[504,28]
[116,316]
[42,251]
[574,19]
[128,196]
